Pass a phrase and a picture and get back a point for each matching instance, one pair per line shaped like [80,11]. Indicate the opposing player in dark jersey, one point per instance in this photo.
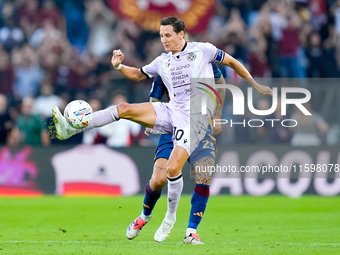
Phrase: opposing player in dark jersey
[204,155]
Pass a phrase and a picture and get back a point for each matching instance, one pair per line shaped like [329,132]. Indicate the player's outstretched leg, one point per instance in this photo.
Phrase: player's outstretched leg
[100,118]
[143,114]
[62,128]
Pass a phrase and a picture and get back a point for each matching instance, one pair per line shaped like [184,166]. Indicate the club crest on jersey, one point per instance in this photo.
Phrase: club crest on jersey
[191,56]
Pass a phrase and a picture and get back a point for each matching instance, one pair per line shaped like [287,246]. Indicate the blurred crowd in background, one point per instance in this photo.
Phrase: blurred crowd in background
[54,51]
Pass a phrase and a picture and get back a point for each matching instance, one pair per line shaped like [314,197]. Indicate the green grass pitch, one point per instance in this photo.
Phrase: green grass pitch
[231,225]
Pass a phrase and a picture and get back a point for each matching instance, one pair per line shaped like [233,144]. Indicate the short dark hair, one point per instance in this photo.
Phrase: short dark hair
[176,23]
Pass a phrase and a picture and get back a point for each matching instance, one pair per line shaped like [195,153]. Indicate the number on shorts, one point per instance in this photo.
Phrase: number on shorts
[178,134]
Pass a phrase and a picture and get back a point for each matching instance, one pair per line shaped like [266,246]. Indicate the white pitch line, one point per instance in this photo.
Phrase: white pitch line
[151,242]
[333,244]
[49,241]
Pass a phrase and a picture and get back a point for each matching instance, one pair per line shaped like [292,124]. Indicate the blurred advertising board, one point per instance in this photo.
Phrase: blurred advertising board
[97,170]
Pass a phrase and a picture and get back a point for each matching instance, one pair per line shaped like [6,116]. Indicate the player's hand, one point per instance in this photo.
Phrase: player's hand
[147,131]
[117,58]
[264,90]
[217,127]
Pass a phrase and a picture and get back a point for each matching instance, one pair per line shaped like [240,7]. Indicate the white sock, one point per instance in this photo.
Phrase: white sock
[145,217]
[190,230]
[103,117]
[175,187]
[170,216]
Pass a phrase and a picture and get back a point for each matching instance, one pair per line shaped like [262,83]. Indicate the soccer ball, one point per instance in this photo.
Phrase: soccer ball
[78,114]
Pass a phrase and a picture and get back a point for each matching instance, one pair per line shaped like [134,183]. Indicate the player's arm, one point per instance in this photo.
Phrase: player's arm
[218,112]
[243,72]
[221,92]
[129,72]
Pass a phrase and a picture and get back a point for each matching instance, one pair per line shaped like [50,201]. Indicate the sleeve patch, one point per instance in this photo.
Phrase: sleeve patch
[219,56]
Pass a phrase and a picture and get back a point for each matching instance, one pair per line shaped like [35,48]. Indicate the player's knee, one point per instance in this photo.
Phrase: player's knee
[123,109]
[157,183]
[173,169]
